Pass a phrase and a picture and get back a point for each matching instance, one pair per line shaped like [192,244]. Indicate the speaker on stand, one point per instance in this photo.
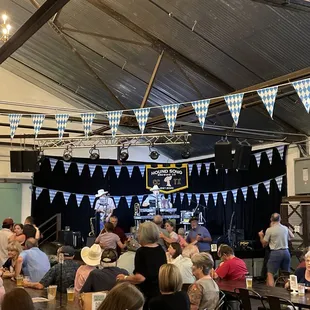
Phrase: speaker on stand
[242,156]
[223,156]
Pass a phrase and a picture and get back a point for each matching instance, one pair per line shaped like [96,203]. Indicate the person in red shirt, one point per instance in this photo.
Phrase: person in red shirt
[118,231]
[232,267]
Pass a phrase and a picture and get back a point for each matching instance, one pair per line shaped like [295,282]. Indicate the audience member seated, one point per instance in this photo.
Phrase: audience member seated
[181,234]
[127,260]
[35,262]
[184,263]
[123,296]
[109,240]
[104,279]
[170,285]
[232,267]
[204,293]
[30,221]
[158,221]
[13,266]
[118,231]
[91,257]
[52,277]
[303,273]
[303,258]
[174,250]
[18,298]
[148,260]
[173,236]
[18,234]
[5,234]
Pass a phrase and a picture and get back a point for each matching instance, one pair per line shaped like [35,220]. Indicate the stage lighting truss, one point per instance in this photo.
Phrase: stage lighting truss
[119,140]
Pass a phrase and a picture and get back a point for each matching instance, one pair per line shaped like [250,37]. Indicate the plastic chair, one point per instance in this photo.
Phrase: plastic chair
[244,297]
[276,302]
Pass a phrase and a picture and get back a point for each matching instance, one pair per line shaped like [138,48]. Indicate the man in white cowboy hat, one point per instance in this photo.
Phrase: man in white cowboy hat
[153,200]
[105,206]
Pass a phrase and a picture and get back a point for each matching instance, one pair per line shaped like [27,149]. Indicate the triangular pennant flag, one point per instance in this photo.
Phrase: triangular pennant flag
[258,157]
[92,169]
[281,150]
[91,199]
[234,103]
[267,185]
[117,170]
[61,121]
[53,163]
[170,112]
[190,168]
[87,120]
[66,166]
[268,96]
[37,120]
[181,196]
[14,120]
[173,197]
[224,195]
[142,169]
[279,181]
[116,200]
[140,198]
[80,168]
[52,194]
[255,189]
[79,198]
[104,169]
[198,168]
[201,110]
[66,196]
[269,154]
[38,191]
[244,192]
[214,195]
[235,194]
[142,116]
[302,88]
[207,167]
[130,168]
[114,118]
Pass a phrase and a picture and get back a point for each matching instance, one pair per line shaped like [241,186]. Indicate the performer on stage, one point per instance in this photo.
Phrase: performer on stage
[153,200]
[105,206]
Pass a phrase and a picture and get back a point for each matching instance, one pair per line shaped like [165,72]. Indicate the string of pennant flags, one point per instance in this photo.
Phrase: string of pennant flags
[234,103]
[194,196]
[104,168]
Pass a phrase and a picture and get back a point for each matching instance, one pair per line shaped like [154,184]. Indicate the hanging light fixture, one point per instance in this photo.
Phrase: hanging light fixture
[153,154]
[94,153]
[67,156]
[5,28]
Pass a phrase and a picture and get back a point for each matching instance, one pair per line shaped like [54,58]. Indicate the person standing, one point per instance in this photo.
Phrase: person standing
[277,237]
[30,221]
[199,235]
[118,231]
[5,234]
[158,220]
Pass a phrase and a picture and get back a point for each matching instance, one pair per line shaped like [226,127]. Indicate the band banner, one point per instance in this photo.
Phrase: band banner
[169,179]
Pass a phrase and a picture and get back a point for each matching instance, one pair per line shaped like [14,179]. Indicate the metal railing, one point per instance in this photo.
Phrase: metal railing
[50,228]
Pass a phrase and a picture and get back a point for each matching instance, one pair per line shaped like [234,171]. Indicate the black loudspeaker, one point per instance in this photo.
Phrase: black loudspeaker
[242,157]
[72,238]
[24,161]
[223,157]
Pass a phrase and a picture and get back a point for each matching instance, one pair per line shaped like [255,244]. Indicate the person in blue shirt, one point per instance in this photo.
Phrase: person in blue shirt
[199,236]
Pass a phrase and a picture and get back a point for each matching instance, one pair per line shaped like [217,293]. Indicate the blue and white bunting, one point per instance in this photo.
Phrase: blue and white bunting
[87,120]
[140,198]
[255,189]
[61,121]
[267,185]
[258,157]
[190,168]
[269,154]
[92,169]
[52,194]
[170,113]
[117,170]
[279,181]
[66,196]
[14,120]
[53,163]
[105,169]
[80,168]
[91,199]
[181,197]
[114,118]
[116,200]
[302,88]
[214,195]
[224,195]
[198,168]
[37,120]
[244,192]
[38,191]
[142,116]
[201,110]
[281,150]
[268,96]
[235,194]
[207,167]
[79,198]
[234,103]
[130,169]
[142,170]
[66,166]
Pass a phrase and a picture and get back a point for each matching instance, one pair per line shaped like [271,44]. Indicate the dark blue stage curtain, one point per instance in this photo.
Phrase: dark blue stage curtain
[251,215]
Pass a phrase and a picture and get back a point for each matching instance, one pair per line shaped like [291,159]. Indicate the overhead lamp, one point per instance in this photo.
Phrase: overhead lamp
[123,154]
[153,154]
[67,156]
[41,157]
[5,28]
[186,154]
[94,153]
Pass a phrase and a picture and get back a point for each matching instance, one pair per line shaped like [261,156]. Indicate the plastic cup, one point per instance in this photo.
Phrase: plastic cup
[19,280]
[70,293]
[301,289]
[51,292]
[249,281]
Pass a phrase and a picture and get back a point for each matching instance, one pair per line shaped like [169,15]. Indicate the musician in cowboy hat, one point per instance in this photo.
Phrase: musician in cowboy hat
[104,205]
[153,200]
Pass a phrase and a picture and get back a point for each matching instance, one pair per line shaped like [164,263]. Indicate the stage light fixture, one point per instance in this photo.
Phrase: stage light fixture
[67,156]
[41,157]
[94,153]
[186,154]
[153,154]
[123,154]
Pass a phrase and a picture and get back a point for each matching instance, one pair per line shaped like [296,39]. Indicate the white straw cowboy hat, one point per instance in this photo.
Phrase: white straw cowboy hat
[155,188]
[101,192]
[91,256]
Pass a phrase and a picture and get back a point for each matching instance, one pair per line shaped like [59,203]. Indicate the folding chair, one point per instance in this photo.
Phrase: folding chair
[276,302]
[244,297]
[221,301]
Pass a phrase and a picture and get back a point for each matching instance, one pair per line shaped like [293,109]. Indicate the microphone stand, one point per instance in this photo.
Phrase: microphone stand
[61,262]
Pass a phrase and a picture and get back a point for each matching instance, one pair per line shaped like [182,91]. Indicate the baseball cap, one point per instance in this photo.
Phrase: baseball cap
[109,256]
[8,221]
[67,251]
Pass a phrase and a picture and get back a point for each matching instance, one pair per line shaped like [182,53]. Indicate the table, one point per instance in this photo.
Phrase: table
[264,290]
[53,304]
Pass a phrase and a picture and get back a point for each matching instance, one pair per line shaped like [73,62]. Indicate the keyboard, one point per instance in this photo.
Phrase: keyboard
[150,217]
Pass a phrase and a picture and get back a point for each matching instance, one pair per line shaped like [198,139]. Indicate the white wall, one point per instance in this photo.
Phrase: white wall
[291,154]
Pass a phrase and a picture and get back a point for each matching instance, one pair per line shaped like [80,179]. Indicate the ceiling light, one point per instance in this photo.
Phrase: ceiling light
[94,153]
[5,28]
[67,156]
[186,154]
[123,154]
[153,154]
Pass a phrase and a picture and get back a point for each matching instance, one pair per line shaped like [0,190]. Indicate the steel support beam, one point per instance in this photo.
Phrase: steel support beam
[152,79]
[30,136]
[30,27]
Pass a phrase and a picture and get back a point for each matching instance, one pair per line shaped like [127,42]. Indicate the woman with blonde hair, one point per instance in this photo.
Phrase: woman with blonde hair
[123,296]
[149,258]
[13,266]
[170,284]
